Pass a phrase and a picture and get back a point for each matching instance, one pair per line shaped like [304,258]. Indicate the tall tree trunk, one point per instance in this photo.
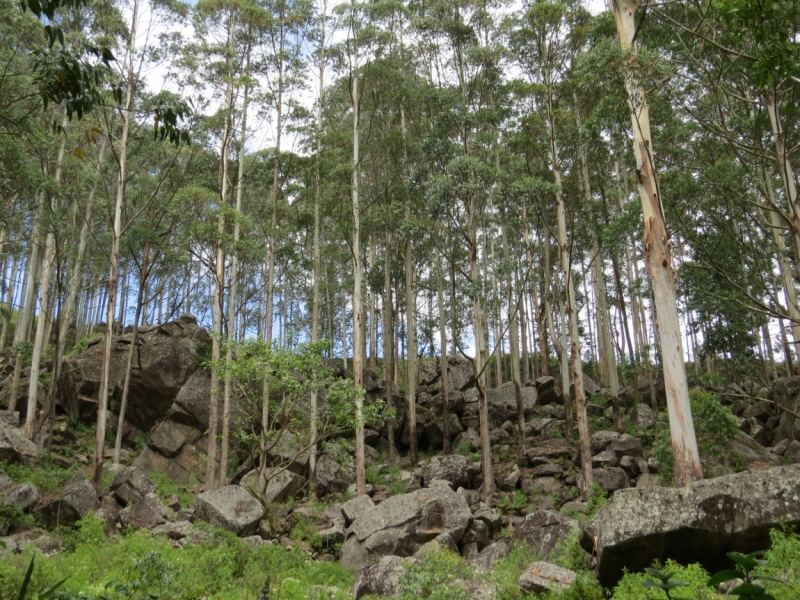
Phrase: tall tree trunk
[219,274]
[443,380]
[411,325]
[513,308]
[312,459]
[133,349]
[388,341]
[226,395]
[659,263]
[113,272]
[358,305]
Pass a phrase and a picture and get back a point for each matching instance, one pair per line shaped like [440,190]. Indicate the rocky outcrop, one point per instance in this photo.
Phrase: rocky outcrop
[168,355]
[700,523]
[400,525]
[231,508]
[453,468]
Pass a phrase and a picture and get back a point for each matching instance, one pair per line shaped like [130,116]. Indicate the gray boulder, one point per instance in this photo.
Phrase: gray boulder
[278,485]
[453,468]
[542,577]
[700,523]
[544,530]
[145,514]
[15,447]
[643,416]
[231,508]
[71,505]
[5,481]
[611,479]
[357,507]
[381,579]
[23,496]
[131,485]
[490,556]
[402,524]
[502,402]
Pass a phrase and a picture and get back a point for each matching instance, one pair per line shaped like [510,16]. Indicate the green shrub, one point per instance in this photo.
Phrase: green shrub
[436,577]
[225,568]
[714,425]
[47,477]
[166,487]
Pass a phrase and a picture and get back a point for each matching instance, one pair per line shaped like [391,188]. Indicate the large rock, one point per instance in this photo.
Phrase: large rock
[71,505]
[357,507]
[543,577]
[545,530]
[335,470]
[434,431]
[23,496]
[145,514]
[401,524]
[643,416]
[502,402]
[452,467]
[280,484]
[130,485]
[381,579]
[15,447]
[168,355]
[700,523]
[231,508]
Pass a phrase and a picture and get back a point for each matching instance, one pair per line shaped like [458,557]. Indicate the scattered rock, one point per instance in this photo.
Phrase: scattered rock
[490,556]
[643,416]
[130,485]
[231,508]
[699,523]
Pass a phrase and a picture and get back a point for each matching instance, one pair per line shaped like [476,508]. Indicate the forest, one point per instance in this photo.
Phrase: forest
[541,187]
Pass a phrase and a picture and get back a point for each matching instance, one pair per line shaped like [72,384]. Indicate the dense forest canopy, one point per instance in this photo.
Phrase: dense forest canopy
[531,185]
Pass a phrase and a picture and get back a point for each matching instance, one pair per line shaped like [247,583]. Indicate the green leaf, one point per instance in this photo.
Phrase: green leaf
[723,576]
[24,589]
[747,589]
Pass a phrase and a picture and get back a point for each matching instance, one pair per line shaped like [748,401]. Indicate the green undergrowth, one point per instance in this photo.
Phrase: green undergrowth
[47,477]
[714,424]
[140,563]
[167,487]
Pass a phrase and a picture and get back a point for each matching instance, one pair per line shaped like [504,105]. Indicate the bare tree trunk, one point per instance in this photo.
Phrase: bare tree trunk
[219,276]
[358,305]
[226,396]
[134,347]
[443,380]
[658,258]
[102,409]
[513,308]
[388,341]
[312,459]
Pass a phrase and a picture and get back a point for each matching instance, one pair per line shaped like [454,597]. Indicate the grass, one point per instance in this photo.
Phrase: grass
[224,568]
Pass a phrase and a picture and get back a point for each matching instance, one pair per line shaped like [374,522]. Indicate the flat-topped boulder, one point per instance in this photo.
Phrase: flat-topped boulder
[230,507]
[700,523]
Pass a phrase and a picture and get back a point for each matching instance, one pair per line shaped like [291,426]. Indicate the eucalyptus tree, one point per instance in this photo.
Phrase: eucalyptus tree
[659,263]
[548,50]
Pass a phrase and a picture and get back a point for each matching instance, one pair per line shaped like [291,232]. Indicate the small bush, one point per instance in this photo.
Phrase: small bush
[714,425]
[47,477]
[435,578]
